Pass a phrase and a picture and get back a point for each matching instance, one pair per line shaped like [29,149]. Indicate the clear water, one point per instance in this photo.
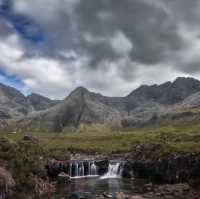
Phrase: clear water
[90,188]
[95,186]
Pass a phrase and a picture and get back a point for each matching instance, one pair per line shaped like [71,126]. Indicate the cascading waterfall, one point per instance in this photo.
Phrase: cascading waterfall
[93,169]
[79,169]
[114,171]
[83,169]
[76,169]
[70,169]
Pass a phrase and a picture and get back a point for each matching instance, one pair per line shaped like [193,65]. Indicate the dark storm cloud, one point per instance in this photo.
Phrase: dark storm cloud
[126,41]
[149,27]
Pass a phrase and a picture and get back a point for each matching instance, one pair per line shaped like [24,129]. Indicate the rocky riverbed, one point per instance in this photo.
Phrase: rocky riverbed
[172,177]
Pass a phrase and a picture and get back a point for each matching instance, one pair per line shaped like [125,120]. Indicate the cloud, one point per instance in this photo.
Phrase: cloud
[108,46]
[121,44]
[47,76]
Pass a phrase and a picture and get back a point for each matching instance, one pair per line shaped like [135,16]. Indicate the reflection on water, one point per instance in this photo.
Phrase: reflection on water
[96,186]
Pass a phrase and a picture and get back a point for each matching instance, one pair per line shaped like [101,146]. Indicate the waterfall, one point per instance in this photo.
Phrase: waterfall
[89,168]
[76,169]
[93,169]
[82,169]
[70,169]
[114,171]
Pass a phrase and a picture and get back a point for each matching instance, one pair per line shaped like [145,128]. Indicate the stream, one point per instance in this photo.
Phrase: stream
[86,183]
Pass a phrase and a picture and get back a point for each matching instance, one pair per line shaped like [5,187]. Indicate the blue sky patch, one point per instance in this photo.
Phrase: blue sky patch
[25,26]
[11,80]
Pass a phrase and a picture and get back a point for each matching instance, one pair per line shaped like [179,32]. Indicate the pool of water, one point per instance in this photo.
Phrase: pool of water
[90,188]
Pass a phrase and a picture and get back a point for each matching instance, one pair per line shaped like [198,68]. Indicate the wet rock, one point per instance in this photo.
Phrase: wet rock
[62,157]
[137,197]
[178,189]
[127,170]
[63,178]
[122,195]
[174,169]
[79,196]
[75,196]
[102,166]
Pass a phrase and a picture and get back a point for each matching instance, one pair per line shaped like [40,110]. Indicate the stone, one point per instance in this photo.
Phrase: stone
[31,138]
[137,197]
[63,178]
[120,196]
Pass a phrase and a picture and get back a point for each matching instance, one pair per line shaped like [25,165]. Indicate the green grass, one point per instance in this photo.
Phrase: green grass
[182,136]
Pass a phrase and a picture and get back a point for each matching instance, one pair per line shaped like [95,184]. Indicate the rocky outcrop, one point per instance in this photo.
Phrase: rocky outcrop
[7,183]
[145,105]
[63,178]
[174,169]
[13,104]
[56,167]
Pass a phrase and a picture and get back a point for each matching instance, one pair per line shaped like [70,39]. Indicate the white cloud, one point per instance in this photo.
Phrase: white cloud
[56,79]
[45,10]
[60,65]
[121,44]
[38,74]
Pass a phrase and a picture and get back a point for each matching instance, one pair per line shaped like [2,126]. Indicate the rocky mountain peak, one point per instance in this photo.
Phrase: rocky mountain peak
[81,90]
[40,102]
[83,106]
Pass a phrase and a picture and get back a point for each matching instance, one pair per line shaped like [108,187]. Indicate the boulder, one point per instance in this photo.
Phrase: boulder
[102,166]
[63,178]
[31,138]
[122,195]
[127,170]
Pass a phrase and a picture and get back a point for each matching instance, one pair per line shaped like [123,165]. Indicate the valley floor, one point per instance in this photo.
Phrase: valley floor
[176,137]
[24,153]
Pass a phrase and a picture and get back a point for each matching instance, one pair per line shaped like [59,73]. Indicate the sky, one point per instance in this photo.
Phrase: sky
[111,47]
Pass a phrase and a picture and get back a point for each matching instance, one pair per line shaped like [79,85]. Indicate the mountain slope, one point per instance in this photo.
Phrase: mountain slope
[81,106]
[12,102]
[147,104]
[40,102]
[168,93]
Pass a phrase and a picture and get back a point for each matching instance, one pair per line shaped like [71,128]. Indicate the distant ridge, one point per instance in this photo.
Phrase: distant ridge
[145,105]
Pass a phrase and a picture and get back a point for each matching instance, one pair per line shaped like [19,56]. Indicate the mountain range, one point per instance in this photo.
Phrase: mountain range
[145,105]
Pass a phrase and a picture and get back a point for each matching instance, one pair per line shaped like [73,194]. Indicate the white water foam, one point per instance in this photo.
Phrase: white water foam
[114,171]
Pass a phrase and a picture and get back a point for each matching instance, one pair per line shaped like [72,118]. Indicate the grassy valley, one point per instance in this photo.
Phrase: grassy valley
[180,135]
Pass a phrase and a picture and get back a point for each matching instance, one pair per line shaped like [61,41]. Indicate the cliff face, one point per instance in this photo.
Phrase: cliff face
[172,170]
